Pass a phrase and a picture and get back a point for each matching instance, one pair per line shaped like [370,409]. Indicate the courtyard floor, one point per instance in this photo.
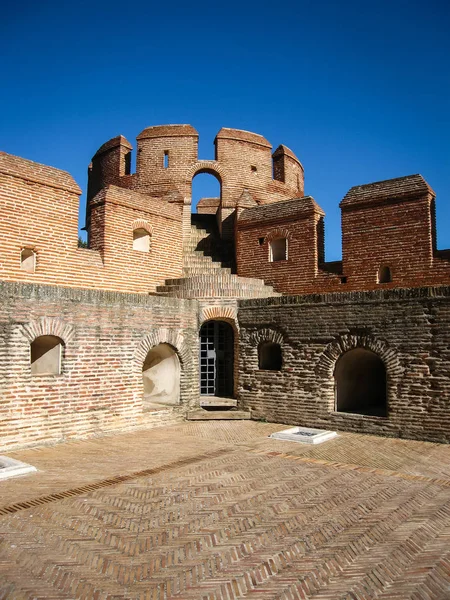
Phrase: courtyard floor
[216,510]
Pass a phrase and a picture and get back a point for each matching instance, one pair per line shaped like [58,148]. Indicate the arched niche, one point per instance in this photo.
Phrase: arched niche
[361,383]
[46,353]
[161,376]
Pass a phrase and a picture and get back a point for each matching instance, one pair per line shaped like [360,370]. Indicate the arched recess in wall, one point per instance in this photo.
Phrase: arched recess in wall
[268,348]
[161,376]
[382,358]
[46,342]
[141,235]
[205,179]
[278,241]
[160,363]
[360,383]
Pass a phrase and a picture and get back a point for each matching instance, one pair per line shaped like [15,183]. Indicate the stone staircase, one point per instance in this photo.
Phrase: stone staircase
[207,268]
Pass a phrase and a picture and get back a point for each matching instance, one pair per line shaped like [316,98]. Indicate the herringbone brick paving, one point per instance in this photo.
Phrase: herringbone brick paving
[227,513]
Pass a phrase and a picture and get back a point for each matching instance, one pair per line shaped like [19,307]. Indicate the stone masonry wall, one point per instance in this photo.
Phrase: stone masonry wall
[408,329]
[106,338]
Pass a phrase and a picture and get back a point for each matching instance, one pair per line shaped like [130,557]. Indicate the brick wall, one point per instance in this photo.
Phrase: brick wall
[243,160]
[386,224]
[39,207]
[106,337]
[408,329]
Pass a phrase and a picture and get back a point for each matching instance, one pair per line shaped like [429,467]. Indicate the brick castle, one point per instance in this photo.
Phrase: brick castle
[169,314]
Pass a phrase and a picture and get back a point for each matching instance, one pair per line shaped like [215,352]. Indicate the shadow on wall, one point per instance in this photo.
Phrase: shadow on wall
[161,376]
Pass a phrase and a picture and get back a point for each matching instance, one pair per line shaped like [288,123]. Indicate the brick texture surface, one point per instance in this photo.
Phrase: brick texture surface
[247,521]
[408,329]
[106,336]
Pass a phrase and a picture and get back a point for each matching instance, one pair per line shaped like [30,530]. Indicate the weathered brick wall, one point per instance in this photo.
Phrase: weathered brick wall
[385,224]
[243,161]
[408,329]
[391,223]
[106,337]
[39,207]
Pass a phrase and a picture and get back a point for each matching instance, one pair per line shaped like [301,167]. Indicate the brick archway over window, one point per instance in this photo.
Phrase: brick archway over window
[173,337]
[338,347]
[48,327]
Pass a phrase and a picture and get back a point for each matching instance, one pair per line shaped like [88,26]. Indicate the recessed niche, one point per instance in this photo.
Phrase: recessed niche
[141,240]
[28,260]
[46,355]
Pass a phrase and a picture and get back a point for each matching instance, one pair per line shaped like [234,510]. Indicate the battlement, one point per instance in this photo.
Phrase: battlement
[139,224]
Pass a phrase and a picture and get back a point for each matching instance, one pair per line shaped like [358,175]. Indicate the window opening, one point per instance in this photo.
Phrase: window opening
[384,275]
[141,240]
[254,169]
[166,159]
[261,241]
[278,250]
[28,260]
[46,355]
[360,383]
[270,356]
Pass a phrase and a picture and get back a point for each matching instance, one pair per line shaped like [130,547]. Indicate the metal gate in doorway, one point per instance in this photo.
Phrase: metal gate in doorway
[216,359]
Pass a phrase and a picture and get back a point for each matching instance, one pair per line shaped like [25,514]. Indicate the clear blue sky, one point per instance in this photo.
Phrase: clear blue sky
[359,91]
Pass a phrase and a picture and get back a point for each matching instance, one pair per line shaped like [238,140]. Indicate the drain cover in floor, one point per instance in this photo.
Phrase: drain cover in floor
[305,435]
[10,467]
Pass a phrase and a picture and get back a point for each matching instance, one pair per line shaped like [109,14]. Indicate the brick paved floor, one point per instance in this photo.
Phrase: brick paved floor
[217,510]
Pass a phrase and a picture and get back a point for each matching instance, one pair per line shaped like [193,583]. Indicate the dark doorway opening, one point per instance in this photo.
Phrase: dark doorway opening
[360,383]
[216,359]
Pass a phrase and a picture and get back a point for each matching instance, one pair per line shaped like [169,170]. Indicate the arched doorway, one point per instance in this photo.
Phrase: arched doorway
[216,359]
[206,187]
[161,376]
[360,383]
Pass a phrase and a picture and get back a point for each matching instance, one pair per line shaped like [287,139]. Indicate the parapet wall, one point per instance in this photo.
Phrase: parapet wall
[105,336]
[388,239]
[409,330]
[167,160]
[39,208]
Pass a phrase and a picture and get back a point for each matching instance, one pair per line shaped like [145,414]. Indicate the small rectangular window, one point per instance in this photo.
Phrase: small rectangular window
[166,159]
[278,250]
[261,241]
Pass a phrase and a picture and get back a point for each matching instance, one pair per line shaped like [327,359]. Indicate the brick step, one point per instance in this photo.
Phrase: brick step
[191,260]
[217,401]
[218,415]
[215,293]
[219,279]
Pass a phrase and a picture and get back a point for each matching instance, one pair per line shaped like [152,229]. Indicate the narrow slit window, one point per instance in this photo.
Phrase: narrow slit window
[166,159]
[254,169]
[28,260]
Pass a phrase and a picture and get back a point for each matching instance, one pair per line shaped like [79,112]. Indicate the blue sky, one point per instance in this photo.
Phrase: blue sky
[359,91]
